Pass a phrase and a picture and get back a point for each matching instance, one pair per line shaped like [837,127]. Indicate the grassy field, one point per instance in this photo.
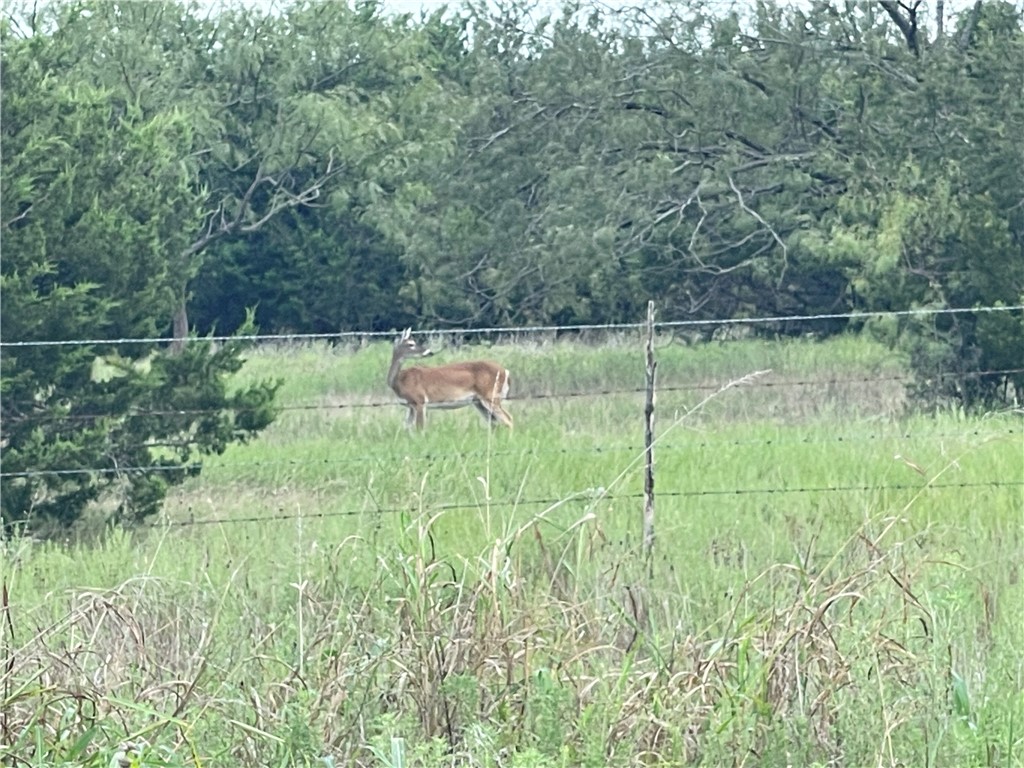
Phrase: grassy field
[835,580]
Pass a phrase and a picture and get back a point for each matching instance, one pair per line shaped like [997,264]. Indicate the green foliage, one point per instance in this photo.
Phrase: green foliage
[300,276]
[97,206]
[782,162]
[121,431]
[937,224]
[335,106]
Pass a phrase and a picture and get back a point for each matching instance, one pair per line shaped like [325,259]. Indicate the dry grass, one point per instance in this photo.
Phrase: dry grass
[527,644]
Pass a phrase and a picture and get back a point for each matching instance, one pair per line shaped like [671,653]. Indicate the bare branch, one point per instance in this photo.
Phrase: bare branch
[24,214]
[760,219]
[219,223]
[284,199]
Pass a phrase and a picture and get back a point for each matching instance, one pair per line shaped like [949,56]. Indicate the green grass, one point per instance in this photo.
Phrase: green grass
[836,581]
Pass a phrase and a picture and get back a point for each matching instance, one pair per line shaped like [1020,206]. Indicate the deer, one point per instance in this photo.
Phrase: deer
[480,383]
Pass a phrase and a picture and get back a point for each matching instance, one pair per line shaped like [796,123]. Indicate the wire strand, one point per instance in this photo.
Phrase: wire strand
[50,417]
[524,330]
[592,498]
[298,463]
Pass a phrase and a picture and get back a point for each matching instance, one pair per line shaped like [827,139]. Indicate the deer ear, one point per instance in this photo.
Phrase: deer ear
[406,334]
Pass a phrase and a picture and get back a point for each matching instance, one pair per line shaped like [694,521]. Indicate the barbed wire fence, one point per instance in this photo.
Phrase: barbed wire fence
[1010,430]
[1003,432]
[592,496]
[595,449]
[560,395]
[520,331]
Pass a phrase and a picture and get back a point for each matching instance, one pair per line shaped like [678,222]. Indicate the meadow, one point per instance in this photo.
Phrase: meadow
[835,579]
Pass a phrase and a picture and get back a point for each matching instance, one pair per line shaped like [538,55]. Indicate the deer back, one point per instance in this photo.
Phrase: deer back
[453,382]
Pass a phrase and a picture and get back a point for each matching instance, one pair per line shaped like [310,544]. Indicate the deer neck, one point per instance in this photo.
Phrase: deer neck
[396,366]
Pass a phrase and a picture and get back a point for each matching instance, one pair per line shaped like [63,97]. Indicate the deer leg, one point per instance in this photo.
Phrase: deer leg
[500,392]
[414,416]
[492,411]
[502,415]
[484,411]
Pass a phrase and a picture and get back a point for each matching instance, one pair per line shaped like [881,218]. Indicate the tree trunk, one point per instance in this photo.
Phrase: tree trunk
[970,26]
[907,24]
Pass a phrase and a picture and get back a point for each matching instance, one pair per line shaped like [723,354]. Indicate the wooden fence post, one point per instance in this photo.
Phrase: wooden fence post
[648,532]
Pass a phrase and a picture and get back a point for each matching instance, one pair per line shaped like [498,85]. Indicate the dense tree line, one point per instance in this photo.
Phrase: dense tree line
[170,170]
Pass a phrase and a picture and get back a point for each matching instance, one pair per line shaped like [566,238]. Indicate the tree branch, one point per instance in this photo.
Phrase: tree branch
[765,224]
[972,23]
[908,24]
[281,199]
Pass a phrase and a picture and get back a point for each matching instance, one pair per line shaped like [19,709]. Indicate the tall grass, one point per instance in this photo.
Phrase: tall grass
[835,582]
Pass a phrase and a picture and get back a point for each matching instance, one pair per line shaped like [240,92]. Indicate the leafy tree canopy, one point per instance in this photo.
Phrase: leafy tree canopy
[98,200]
